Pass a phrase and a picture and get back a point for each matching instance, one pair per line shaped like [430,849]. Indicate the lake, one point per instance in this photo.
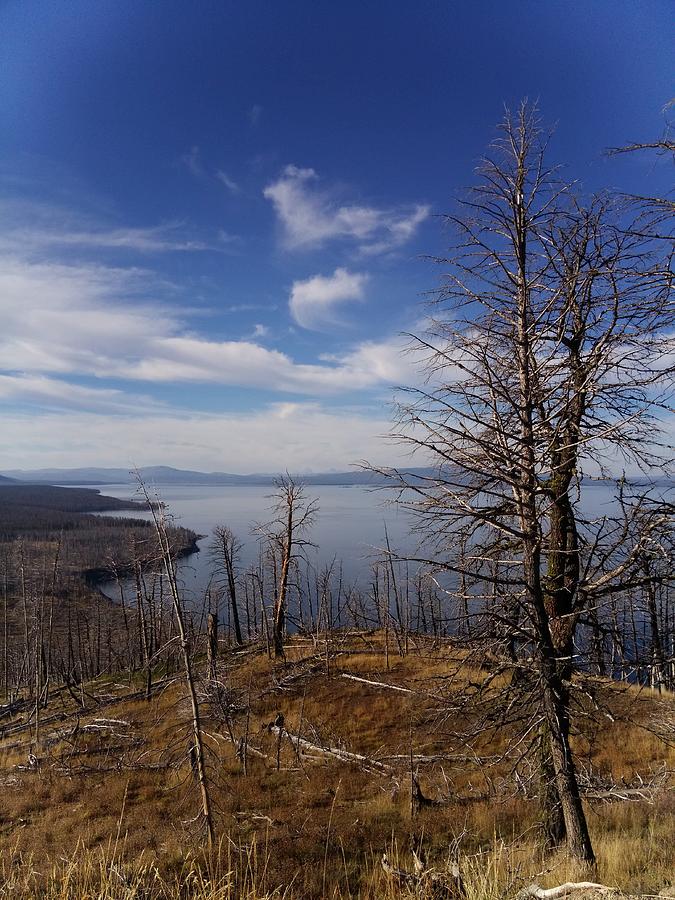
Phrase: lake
[349,526]
[350,523]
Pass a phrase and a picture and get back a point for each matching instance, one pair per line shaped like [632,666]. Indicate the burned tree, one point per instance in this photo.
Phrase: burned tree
[544,357]
[294,515]
[225,549]
[196,748]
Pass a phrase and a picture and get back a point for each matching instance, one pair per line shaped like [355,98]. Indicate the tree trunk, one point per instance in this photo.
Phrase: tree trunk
[555,710]
[279,623]
[197,748]
[212,645]
[551,811]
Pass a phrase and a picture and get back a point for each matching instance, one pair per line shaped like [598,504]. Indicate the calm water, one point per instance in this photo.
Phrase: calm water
[350,524]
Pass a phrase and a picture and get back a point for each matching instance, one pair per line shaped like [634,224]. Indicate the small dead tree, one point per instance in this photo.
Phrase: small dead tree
[294,515]
[224,550]
[196,750]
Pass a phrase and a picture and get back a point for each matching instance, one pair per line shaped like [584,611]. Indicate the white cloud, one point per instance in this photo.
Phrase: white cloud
[400,232]
[313,301]
[88,320]
[226,238]
[73,319]
[388,362]
[247,364]
[196,167]
[248,307]
[36,229]
[159,239]
[54,393]
[310,217]
[306,438]
[254,114]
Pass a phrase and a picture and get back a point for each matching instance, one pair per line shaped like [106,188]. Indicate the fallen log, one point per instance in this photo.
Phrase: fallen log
[98,751]
[107,700]
[343,755]
[421,758]
[562,890]
[380,684]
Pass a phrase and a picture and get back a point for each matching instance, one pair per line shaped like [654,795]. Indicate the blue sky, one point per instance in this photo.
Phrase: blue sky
[214,214]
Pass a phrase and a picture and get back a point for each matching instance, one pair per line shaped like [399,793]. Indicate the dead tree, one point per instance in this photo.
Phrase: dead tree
[196,749]
[543,361]
[294,515]
[211,644]
[224,551]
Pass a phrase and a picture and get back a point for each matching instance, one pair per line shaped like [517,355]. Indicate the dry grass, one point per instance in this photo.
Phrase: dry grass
[111,813]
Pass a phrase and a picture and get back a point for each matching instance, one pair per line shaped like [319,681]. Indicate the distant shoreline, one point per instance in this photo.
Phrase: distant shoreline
[168,476]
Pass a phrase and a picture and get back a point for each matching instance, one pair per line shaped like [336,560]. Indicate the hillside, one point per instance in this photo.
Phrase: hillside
[307,806]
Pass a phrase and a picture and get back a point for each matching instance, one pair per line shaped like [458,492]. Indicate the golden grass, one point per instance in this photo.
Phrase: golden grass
[107,816]
[244,872]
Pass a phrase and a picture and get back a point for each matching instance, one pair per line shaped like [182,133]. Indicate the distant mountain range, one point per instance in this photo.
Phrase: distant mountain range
[169,475]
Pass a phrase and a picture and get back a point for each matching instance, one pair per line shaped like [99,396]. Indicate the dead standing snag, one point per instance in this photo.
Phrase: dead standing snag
[294,515]
[543,359]
[196,749]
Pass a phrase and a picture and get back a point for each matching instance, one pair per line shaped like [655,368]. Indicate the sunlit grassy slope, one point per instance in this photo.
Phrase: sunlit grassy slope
[110,809]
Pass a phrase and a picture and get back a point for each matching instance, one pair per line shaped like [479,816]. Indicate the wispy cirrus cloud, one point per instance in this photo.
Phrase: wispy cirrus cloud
[194,163]
[229,183]
[313,301]
[192,160]
[159,239]
[33,228]
[58,394]
[310,216]
[248,307]
[254,114]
